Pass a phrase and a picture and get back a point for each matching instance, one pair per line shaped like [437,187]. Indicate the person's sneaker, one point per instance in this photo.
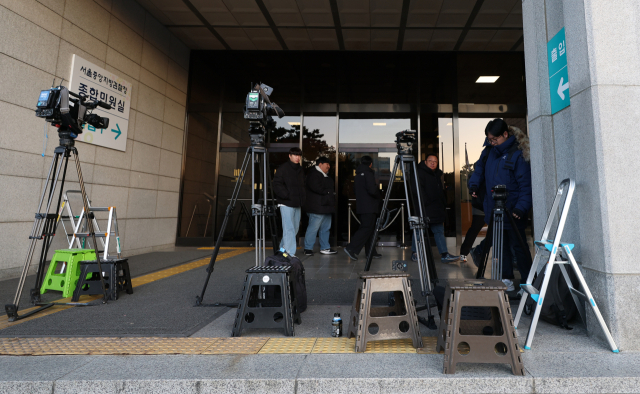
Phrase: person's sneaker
[351,255]
[509,284]
[463,258]
[476,256]
[447,258]
[309,252]
[414,256]
[328,251]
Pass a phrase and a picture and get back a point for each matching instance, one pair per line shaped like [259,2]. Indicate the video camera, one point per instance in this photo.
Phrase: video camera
[53,105]
[404,141]
[258,110]
[499,194]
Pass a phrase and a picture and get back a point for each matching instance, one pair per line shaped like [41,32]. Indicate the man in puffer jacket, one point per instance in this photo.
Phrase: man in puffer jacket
[321,203]
[507,164]
[288,187]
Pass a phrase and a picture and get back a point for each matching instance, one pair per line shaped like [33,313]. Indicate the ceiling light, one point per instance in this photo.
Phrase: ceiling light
[448,124]
[379,124]
[294,123]
[487,79]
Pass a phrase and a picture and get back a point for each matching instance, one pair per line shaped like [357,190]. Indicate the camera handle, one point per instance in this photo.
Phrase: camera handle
[44,228]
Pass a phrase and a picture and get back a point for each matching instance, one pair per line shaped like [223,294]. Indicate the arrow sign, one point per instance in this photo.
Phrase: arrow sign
[562,88]
[120,132]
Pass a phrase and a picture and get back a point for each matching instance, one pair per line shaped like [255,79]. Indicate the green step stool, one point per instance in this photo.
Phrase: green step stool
[66,281]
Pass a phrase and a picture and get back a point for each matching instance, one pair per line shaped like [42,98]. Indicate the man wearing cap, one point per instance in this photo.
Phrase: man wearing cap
[288,187]
[319,206]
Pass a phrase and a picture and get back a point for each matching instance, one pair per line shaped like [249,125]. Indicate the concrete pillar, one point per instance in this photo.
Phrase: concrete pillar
[594,140]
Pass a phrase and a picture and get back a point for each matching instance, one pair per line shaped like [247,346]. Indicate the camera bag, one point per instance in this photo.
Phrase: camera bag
[558,307]
[297,275]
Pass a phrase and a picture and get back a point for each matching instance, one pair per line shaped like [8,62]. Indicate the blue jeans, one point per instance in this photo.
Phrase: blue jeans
[317,222]
[438,234]
[290,225]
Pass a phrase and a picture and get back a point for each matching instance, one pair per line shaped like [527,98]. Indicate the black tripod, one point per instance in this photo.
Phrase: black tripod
[45,223]
[258,156]
[426,266]
[495,235]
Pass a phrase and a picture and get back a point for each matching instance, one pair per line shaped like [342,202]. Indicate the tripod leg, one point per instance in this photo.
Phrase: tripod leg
[85,202]
[485,250]
[496,266]
[230,207]
[380,222]
[273,224]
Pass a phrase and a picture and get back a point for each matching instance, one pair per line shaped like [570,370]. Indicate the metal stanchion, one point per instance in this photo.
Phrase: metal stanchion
[349,225]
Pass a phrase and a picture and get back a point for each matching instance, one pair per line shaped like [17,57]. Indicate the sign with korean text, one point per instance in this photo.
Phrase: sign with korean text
[558,72]
[89,80]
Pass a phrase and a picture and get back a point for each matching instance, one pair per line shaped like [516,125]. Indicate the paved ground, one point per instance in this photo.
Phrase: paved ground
[560,361]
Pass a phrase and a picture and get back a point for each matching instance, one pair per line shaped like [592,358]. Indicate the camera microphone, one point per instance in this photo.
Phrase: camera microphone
[103,105]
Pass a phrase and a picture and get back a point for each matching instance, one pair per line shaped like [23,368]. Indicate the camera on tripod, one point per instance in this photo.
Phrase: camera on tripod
[53,105]
[404,141]
[258,110]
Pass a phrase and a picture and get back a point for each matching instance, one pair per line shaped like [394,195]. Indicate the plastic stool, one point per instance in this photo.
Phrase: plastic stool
[116,277]
[489,339]
[399,321]
[66,280]
[263,309]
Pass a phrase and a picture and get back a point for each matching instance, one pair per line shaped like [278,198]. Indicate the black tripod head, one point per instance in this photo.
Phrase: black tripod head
[499,194]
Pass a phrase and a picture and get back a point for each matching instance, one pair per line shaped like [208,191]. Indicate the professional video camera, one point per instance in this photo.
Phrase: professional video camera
[404,141]
[258,110]
[53,105]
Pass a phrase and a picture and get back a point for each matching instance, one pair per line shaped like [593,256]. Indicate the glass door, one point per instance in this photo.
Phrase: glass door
[374,137]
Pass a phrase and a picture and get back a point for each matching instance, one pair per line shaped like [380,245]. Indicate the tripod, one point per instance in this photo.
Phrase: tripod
[426,267]
[257,155]
[495,235]
[45,223]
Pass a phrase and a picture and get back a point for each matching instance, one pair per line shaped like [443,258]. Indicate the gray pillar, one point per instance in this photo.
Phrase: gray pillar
[595,141]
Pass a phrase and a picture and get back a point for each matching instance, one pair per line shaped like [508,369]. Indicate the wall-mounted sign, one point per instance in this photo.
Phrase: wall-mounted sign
[558,72]
[92,81]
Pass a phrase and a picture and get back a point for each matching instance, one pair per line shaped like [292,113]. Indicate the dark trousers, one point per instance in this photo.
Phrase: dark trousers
[476,225]
[363,237]
[523,256]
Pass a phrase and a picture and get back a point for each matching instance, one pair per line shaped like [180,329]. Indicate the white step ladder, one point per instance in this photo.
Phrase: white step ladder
[75,222]
[558,254]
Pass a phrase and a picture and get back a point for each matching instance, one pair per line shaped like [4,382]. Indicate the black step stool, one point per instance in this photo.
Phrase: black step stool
[116,274]
[262,305]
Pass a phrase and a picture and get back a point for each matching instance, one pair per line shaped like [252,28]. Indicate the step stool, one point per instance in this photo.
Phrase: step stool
[260,308]
[116,277]
[69,273]
[490,339]
[400,321]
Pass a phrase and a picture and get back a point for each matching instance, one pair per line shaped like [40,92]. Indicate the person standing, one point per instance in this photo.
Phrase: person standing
[367,207]
[434,203]
[288,187]
[507,163]
[320,205]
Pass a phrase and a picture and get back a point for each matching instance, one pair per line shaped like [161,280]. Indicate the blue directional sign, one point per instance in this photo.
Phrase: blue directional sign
[558,72]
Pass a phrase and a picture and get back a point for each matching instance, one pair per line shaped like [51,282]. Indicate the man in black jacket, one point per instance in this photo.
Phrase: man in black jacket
[288,187]
[367,207]
[319,206]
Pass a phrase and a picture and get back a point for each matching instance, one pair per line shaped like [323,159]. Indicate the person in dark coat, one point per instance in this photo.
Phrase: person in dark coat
[320,205]
[507,164]
[367,208]
[288,187]
[434,204]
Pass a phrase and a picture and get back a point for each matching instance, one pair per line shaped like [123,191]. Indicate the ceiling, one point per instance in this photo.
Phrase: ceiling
[388,25]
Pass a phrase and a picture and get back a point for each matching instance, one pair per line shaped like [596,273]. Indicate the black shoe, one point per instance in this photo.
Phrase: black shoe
[328,251]
[351,255]
[377,256]
[308,252]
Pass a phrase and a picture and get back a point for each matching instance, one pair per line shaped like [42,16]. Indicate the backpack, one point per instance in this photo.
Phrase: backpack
[478,203]
[558,307]
[297,275]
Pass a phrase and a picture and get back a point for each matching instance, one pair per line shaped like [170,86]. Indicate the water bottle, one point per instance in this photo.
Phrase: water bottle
[339,331]
[335,325]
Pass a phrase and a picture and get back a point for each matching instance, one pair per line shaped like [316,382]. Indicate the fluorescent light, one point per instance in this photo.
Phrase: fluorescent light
[448,124]
[294,123]
[487,79]
[379,124]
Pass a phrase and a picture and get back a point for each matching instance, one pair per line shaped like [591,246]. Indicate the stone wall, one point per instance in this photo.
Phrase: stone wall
[595,141]
[37,42]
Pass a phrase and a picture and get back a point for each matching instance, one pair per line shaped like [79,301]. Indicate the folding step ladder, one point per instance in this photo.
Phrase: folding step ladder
[78,234]
[558,254]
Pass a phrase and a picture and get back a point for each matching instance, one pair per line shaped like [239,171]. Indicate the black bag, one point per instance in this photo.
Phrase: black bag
[558,307]
[297,275]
